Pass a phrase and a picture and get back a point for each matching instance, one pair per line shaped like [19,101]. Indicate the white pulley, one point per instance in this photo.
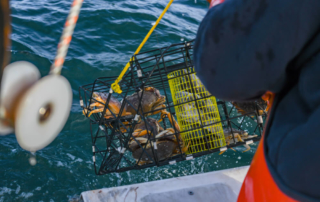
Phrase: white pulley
[17,78]
[42,112]
[37,109]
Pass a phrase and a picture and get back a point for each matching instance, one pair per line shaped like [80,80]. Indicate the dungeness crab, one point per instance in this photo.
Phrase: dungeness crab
[239,136]
[250,106]
[152,102]
[100,101]
[166,142]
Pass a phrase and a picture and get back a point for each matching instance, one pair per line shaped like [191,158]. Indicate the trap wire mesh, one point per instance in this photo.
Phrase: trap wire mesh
[159,120]
[195,107]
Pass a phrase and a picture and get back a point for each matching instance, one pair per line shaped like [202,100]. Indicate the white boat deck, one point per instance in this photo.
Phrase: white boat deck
[221,185]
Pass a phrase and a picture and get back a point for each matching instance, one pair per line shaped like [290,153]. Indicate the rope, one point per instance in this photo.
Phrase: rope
[115,86]
[66,37]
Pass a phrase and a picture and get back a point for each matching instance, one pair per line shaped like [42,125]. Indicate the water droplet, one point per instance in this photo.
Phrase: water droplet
[195,1]
[32,159]
[182,39]
[153,23]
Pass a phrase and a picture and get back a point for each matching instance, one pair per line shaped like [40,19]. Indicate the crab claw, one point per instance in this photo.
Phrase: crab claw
[247,148]
[136,132]
[84,112]
[139,133]
[226,150]
[167,134]
[134,144]
[185,148]
[171,119]
[238,137]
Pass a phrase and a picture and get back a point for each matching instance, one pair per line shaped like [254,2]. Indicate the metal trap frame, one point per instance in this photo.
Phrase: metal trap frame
[118,143]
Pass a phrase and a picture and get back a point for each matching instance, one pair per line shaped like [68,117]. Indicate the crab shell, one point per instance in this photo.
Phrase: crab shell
[114,104]
[133,145]
[151,99]
[250,106]
[99,100]
[165,140]
[166,135]
[238,134]
[166,147]
[152,125]
[165,150]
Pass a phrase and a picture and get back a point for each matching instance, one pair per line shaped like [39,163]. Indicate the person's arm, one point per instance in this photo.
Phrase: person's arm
[244,47]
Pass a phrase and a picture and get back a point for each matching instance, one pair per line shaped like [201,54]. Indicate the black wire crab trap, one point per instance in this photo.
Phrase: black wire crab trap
[164,114]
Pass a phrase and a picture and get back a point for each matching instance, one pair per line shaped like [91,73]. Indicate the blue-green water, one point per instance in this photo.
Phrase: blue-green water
[107,34]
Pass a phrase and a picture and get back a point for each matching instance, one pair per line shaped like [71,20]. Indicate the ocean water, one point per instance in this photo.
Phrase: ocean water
[106,35]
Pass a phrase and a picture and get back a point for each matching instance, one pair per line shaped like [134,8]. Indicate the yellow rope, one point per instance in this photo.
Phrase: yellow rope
[115,86]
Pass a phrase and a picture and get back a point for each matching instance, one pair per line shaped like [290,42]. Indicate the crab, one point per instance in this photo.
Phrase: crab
[141,129]
[250,106]
[152,102]
[235,136]
[166,142]
[100,101]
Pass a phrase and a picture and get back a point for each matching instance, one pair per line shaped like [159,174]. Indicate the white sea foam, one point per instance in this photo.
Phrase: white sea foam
[26,195]
[17,190]
[59,164]
[5,190]
[78,160]
[71,156]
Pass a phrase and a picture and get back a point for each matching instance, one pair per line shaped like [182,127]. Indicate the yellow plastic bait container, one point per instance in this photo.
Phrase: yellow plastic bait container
[196,111]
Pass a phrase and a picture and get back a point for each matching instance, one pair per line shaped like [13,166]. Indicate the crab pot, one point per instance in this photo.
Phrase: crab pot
[163,115]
